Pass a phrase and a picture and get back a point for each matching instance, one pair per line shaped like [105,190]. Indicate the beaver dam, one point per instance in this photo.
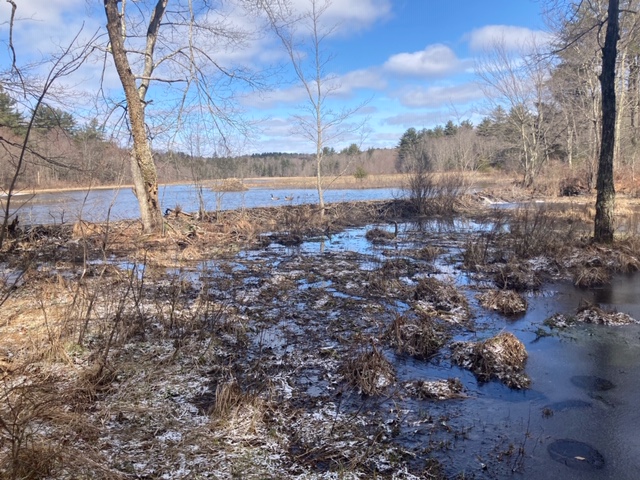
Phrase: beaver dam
[485,343]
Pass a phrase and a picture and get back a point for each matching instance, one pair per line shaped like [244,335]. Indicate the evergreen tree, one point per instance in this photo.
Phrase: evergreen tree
[9,116]
[450,129]
[47,118]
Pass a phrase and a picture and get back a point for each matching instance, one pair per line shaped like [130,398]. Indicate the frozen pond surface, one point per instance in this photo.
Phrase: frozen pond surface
[121,204]
[585,381]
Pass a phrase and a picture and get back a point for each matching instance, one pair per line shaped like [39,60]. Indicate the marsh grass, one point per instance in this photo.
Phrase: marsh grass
[517,276]
[444,296]
[369,371]
[507,302]
[419,336]
[591,276]
[429,253]
[502,357]
[116,355]
[237,411]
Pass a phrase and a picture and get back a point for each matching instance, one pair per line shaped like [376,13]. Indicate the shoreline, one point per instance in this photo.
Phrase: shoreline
[373,181]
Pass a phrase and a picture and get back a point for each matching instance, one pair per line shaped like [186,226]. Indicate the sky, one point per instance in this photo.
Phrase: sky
[400,63]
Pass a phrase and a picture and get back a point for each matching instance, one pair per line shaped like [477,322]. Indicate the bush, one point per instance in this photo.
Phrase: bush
[360,174]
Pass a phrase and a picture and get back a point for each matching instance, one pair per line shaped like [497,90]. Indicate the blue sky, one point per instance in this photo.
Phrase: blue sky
[412,61]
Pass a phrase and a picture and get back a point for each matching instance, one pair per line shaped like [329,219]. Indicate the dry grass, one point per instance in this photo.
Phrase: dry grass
[418,337]
[444,296]
[591,276]
[502,357]
[237,411]
[379,235]
[590,313]
[369,371]
[429,253]
[437,389]
[517,276]
[507,302]
[228,185]
[342,182]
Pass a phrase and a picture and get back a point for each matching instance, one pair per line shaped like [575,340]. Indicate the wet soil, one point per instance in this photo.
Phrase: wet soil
[267,345]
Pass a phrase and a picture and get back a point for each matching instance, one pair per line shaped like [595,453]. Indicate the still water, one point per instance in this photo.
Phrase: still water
[585,386]
[121,204]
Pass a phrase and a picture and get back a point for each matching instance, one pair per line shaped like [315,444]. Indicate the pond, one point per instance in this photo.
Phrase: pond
[121,204]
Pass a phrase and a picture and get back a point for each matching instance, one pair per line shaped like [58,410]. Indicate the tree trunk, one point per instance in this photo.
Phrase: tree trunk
[319,184]
[604,220]
[634,104]
[142,165]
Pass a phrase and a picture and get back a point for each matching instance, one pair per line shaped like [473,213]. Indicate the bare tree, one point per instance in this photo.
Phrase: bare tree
[34,92]
[605,201]
[303,38]
[175,47]
[518,82]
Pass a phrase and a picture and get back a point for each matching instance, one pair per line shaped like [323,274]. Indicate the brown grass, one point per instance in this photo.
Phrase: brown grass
[378,235]
[418,337]
[502,357]
[237,412]
[442,295]
[507,302]
[437,389]
[342,182]
[369,371]
[429,253]
[517,276]
[591,276]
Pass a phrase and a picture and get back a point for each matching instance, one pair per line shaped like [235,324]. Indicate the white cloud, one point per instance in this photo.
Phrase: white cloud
[435,96]
[348,15]
[347,84]
[340,87]
[358,13]
[435,60]
[513,38]
[417,120]
[47,12]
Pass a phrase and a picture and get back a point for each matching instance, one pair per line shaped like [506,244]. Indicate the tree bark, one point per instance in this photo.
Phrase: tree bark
[142,165]
[605,201]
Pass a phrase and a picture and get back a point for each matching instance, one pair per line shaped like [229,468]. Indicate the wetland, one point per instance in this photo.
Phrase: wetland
[491,342]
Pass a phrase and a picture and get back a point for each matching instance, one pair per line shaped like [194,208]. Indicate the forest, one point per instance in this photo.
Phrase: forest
[544,112]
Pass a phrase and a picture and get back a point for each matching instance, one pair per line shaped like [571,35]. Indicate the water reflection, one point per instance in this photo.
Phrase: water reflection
[121,204]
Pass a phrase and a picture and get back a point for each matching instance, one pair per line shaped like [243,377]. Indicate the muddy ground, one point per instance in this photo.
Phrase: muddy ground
[266,343]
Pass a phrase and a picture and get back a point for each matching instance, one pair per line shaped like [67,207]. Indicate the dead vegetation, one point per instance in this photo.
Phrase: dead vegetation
[517,276]
[229,185]
[439,298]
[416,336]
[590,314]
[507,302]
[591,276]
[369,371]
[502,357]
[124,355]
[379,235]
[436,389]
